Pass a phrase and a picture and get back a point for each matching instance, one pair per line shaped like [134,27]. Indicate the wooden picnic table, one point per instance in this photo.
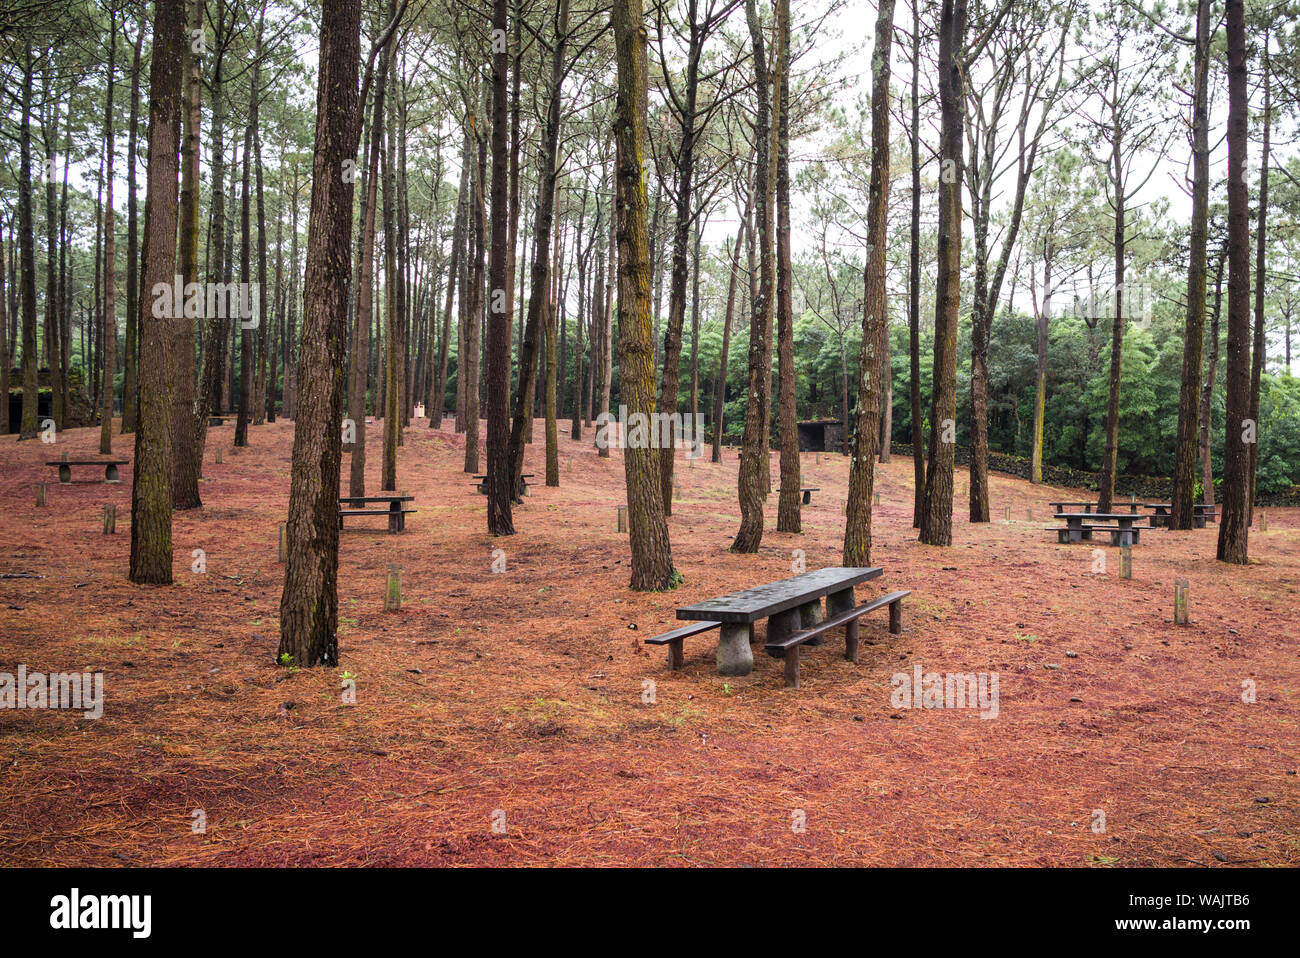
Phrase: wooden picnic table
[396,512]
[523,483]
[1124,533]
[787,604]
[1163,513]
[110,468]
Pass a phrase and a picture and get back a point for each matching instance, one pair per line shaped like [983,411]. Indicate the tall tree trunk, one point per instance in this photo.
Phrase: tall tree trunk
[720,383]
[936,508]
[151,489]
[538,300]
[110,261]
[787,515]
[1259,352]
[1234,525]
[652,559]
[500,489]
[50,131]
[187,442]
[309,603]
[438,399]
[1110,458]
[474,313]
[1041,322]
[914,284]
[1184,493]
[27,255]
[130,378]
[857,525]
[1207,391]
[754,474]
[364,312]
[245,274]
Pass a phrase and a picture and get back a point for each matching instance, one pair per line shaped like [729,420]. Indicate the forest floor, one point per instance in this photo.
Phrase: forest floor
[519,699]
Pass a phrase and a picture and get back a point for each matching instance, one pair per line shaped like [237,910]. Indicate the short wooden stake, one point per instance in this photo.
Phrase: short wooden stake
[110,520]
[622,518]
[677,488]
[877,498]
[40,493]
[1126,562]
[1180,602]
[393,594]
[1029,515]
[1008,513]
[218,457]
[284,539]
[1263,521]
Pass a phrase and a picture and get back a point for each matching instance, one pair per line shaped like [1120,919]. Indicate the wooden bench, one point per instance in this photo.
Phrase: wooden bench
[110,468]
[674,638]
[1079,527]
[787,647]
[807,493]
[396,512]
[215,421]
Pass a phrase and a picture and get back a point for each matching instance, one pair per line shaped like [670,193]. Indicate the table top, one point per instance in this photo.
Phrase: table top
[749,605]
[1128,516]
[394,498]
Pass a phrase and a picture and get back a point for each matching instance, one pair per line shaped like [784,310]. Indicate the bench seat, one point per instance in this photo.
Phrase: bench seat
[807,493]
[674,638]
[787,648]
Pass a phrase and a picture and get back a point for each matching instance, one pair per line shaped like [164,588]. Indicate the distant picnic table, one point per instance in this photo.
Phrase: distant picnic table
[1079,527]
[794,612]
[1163,513]
[395,510]
[109,465]
[481,484]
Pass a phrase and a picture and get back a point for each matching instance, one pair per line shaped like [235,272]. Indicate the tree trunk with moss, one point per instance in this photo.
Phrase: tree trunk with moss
[652,559]
[151,488]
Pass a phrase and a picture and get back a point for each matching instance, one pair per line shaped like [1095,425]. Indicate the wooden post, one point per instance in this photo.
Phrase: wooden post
[284,532]
[792,667]
[677,488]
[622,518]
[877,499]
[110,520]
[218,457]
[393,594]
[1263,521]
[1180,602]
[1126,561]
[1008,513]
[40,493]
[1029,515]
[896,617]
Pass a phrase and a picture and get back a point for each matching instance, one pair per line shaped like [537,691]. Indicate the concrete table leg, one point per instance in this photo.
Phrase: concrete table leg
[810,613]
[734,654]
